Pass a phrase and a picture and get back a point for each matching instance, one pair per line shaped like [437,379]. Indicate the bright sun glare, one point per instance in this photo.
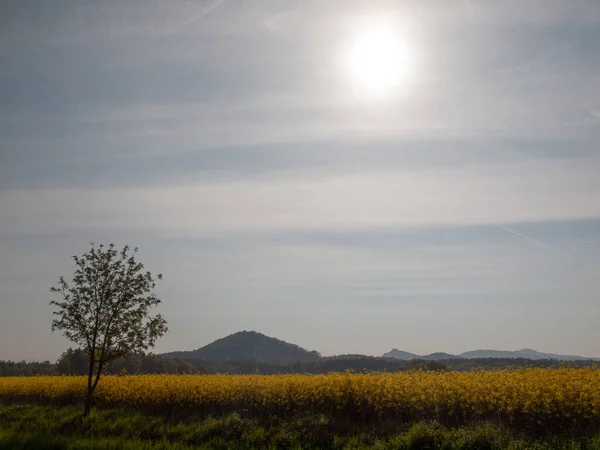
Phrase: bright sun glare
[378,58]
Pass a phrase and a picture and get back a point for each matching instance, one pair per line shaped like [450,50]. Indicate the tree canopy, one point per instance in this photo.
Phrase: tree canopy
[106,308]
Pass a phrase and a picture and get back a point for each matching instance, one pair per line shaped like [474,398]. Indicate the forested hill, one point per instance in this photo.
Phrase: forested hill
[248,346]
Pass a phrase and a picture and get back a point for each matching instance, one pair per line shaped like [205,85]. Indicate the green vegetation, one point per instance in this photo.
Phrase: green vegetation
[27,426]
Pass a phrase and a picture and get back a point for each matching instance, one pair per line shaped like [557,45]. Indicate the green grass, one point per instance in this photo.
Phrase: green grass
[28,426]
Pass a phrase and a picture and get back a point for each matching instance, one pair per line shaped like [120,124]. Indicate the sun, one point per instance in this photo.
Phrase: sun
[378,58]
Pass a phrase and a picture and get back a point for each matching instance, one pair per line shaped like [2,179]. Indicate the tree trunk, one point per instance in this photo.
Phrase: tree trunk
[88,403]
[90,387]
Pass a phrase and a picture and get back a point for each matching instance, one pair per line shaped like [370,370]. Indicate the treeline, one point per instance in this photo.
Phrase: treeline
[26,369]
[321,366]
[466,365]
[75,362]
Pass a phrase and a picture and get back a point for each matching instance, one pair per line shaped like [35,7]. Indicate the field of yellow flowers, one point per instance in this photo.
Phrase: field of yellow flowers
[557,397]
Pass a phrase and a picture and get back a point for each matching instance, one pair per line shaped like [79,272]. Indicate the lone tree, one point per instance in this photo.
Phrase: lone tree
[106,309]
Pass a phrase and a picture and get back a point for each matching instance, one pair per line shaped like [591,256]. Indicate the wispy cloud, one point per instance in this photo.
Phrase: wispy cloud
[454,195]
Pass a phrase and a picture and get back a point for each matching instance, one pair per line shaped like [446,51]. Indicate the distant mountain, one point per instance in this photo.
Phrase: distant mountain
[523,353]
[248,346]
[399,354]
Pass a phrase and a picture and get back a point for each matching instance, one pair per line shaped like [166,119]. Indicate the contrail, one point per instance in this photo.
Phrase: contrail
[194,18]
[530,239]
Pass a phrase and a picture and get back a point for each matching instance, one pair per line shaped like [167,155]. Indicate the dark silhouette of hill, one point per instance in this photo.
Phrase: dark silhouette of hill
[399,354]
[250,350]
[248,346]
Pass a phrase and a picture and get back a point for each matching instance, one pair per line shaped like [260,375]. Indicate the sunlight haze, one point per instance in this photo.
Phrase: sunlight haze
[378,59]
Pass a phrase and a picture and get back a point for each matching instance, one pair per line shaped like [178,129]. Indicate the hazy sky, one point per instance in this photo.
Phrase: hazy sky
[457,209]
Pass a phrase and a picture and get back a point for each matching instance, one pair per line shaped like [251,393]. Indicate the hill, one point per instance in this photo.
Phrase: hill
[399,354]
[248,346]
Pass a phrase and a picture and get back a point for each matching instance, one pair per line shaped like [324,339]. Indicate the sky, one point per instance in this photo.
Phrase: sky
[456,208]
